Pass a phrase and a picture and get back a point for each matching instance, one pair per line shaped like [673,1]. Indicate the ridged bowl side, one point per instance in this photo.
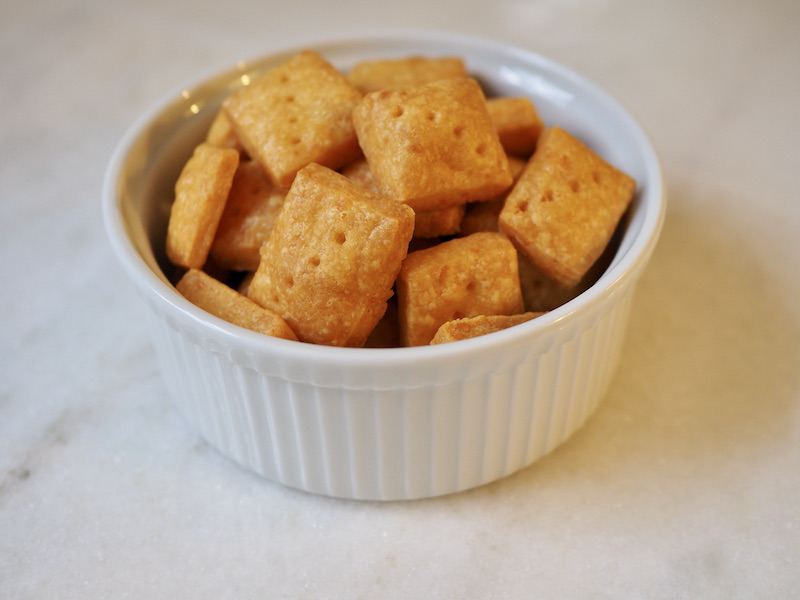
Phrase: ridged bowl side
[392,443]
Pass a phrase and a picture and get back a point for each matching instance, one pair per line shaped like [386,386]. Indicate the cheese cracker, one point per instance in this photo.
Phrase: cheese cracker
[565,206]
[295,114]
[470,327]
[226,303]
[393,73]
[517,122]
[250,212]
[432,146]
[427,223]
[200,195]
[463,277]
[329,265]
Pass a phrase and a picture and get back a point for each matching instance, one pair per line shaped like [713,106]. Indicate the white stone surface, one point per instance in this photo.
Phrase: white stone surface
[684,484]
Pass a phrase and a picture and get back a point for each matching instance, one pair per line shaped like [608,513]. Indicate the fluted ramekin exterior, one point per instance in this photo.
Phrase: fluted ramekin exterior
[358,439]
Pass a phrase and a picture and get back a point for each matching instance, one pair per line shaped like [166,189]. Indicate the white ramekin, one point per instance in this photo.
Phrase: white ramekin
[396,423]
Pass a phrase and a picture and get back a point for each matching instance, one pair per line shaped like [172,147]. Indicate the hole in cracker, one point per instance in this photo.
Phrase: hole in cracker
[481,149]
[289,281]
[294,141]
[458,131]
[397,111]
[340,237]
[547,196]
[431,116]
[470,286]
[575,186]
[522,207]
[596,177]
[289,99]
[314,261]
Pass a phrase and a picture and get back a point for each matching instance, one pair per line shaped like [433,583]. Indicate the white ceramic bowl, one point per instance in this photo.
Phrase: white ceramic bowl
[385,423]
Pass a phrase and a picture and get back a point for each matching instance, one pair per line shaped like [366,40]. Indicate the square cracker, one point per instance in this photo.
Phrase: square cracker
[224,302]
[221,132]
[565,206]
[433,145]
[482,216]
[250,212]
[329,265]
[470,327]
[427,223]
[517,122]
[463,277]
[200,195]
[295,114]
[393,73]
[430,224]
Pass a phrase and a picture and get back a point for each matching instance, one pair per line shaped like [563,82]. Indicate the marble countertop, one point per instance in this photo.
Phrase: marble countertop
[684,484]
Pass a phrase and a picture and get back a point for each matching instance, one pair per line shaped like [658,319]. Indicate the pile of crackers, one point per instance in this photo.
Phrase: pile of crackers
[391,205]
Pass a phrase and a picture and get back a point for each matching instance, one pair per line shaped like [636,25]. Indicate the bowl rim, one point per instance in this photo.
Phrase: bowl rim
[157,289]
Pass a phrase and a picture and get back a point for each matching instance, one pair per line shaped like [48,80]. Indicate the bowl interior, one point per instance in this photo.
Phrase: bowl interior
[140,179]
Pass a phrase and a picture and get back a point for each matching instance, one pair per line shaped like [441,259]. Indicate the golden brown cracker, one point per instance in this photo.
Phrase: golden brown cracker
[463,277]
[297,113]
[470,327]
[516,165]
[200,194]
[221,132]
[359,172]
[329,265]
[432,146]
[565,206]
[540,292]
[250,212]
[226,303]
[481,216]
[438,223]
[393,73]
[517,122]
[427,223]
